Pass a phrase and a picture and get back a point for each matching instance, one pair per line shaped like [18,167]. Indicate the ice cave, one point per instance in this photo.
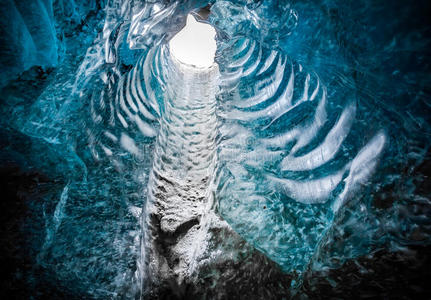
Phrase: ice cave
[249,149]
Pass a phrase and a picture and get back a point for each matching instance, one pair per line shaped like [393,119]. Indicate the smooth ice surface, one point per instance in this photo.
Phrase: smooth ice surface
[28,37]
[32,32]
[195,44]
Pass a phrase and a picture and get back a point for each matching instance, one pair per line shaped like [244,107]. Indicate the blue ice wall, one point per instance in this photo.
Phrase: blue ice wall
[28,37]
[371,79]
[90,145]
[33,32]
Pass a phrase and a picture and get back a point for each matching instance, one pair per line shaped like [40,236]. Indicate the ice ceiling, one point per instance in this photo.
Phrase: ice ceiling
[246,154]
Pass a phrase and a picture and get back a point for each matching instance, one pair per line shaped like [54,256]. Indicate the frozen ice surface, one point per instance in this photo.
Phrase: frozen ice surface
[28,37]
[302,149]
[272,171]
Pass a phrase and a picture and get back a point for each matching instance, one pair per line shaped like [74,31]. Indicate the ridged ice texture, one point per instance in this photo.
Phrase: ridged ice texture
[102,120]
[269,109]
[185,239]
[290,153]
[284,168]
[266,21]
[183,166]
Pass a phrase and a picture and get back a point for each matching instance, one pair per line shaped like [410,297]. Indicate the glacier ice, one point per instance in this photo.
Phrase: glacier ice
[28,37]
[285,159]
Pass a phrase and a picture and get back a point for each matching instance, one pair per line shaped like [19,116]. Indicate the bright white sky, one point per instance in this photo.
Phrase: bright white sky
[195,44]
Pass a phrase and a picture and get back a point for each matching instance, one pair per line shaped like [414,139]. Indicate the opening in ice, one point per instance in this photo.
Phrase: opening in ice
[195,44]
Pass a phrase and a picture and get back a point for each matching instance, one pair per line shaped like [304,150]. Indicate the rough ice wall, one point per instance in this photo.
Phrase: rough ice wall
[318,145]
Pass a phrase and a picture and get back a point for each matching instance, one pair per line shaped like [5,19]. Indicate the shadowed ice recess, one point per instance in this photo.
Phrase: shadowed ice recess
[240,155]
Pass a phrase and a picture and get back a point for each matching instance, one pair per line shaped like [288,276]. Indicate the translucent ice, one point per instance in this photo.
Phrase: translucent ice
[302,147]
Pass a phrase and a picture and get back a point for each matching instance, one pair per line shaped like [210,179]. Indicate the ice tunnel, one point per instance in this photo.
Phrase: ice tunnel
[215,149]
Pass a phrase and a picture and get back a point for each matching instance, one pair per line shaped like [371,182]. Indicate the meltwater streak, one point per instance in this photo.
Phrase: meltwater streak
[182,168]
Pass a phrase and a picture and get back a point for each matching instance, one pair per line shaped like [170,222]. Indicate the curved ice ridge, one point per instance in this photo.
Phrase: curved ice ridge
[281,172]
[280,157]
[128,108]
[280,180]
[265,151]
